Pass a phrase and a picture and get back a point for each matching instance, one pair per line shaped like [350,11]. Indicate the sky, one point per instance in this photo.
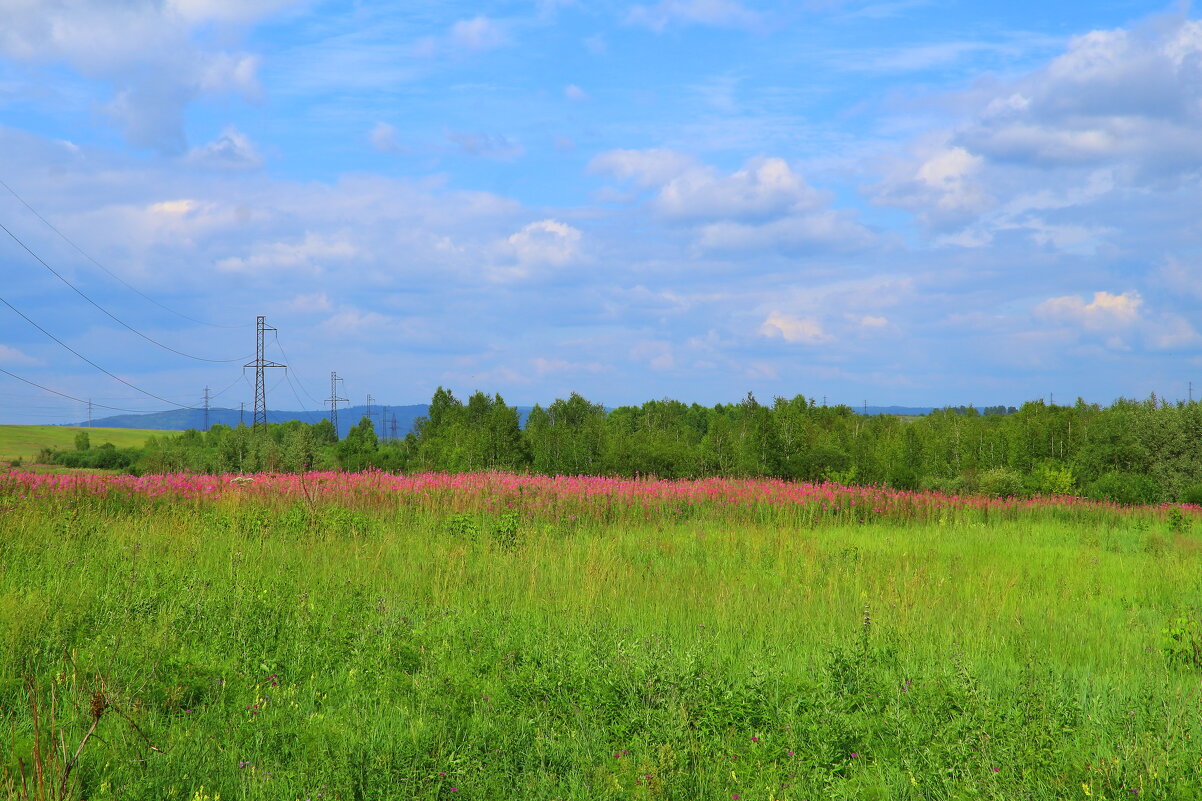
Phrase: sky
[867,201]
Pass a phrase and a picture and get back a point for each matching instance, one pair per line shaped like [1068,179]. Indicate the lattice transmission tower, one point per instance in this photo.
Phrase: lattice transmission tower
[334,400]
[260,364]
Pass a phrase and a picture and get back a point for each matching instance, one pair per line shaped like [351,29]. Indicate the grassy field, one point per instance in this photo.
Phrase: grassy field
[270,646]
[24,442]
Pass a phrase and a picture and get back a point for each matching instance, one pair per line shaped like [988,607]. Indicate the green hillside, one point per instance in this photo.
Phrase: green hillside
[24,442]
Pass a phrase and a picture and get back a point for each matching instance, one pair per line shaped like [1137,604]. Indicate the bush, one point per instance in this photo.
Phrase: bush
[1192,495]
[1000,481]
[1130,489]
[1053,479]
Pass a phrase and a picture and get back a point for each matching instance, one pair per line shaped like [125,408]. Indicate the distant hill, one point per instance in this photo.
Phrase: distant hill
[898,410]
[183,419]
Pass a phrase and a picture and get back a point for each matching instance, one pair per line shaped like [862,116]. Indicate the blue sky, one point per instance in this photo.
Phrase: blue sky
[901,202]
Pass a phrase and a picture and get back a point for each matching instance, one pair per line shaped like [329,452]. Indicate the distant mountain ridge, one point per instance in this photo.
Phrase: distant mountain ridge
[406,416]
[183,419]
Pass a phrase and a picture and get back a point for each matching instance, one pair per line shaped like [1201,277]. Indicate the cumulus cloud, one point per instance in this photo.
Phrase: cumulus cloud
[715,13]
[762,189]
[1117,111]
[797,330]
[146,51]
[763,205]
[1106,312]
[546,243]
[942,187]
[1131,97]
[233,150]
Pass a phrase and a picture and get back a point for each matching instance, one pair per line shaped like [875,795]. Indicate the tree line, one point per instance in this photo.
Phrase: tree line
[1143,451]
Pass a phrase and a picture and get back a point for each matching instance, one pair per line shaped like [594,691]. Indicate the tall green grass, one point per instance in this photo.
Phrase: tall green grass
[271,651]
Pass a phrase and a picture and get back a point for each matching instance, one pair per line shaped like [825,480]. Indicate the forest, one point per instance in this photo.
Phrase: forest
[1144,451]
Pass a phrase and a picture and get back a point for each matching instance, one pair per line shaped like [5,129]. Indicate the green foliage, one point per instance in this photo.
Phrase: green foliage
[82,441]
[1133,452]
[1125,488]
[1181,642]
[1054,479]
[1000,482]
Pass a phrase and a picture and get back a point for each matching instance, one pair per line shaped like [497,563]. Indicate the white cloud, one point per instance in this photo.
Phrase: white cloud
[716,13]
[763,188]
[232,11]
[803,330]
[233,150]
[309,255]
[477,34]
[546,243]
[314,302]
[1106,312]
[383,137]
[545,367]
[656,354]
[574,92]
[1131,97]
[1172,332]
[11,355]
[493,146]
[146,51]
[646,168]
[821,230]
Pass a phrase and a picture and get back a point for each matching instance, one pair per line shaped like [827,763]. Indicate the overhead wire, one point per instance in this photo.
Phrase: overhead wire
[112,316]
[294,392]
[113,376]
[279,345]
[70,397]
[106,270]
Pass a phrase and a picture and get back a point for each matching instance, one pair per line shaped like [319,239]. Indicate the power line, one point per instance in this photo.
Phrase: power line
[294,393]
[70,397]
[292,369]
[114,317]
[111,274]
[94,364]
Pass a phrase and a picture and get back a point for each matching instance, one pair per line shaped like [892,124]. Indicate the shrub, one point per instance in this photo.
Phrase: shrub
[1181,642]
[1053,479]
[1000,481]
[1192,495]
[1125,488]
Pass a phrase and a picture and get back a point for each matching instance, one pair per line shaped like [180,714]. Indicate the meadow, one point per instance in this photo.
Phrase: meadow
[498,636]
[25,442]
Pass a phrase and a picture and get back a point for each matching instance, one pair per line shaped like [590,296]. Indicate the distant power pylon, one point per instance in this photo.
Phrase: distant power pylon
[260,364]
[206,409]
[241,413]
[89,412]
[394,427]
[334,400]
[370,401]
